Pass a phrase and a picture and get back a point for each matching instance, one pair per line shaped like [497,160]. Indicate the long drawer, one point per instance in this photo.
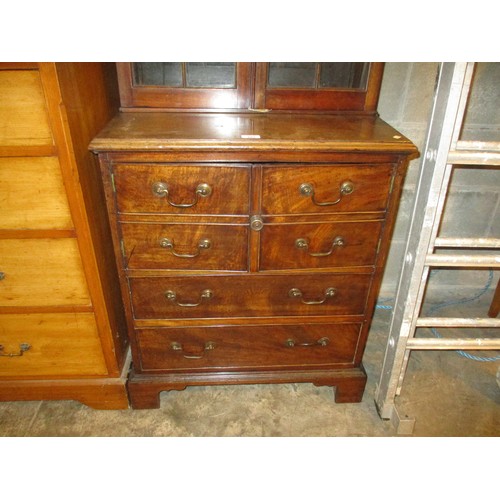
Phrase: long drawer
[182,189]
[249,296]
[251,347]
[301,246]
[42,272]
[185,246]
[32,194]
[23,110]
[58,345]
[325,189]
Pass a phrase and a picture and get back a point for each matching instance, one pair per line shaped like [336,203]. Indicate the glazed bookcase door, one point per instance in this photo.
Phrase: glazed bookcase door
[312,86]
[185,85]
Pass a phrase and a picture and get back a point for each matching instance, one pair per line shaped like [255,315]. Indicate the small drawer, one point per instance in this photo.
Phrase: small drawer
[249,296]
[32,194]
[185,246]
[42,272]
[303,246]
[23,111]
[41,345]
[325,189]
[182,189]
[248,347]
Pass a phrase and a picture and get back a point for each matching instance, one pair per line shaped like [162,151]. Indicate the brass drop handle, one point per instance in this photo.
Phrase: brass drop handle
[160,189]
[22,349]
[2,276]
[297,293]
[303,244]
[209,346]
[168,243]
[323,341]
[306,189]
[205,295]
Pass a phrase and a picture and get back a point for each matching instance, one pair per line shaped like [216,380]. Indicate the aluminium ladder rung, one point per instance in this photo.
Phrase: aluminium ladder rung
[467,243]
[474,157]
[475,145]
[452,260]
[433,322]
[452,344]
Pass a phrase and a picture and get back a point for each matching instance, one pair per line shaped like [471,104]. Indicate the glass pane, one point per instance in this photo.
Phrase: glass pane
[292,74]
[482,117]
[166,74]
[211,74]
[351,75]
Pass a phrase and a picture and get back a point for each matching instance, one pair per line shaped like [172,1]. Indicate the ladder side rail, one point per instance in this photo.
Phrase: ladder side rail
[410,287]
[462,106]
[441,197]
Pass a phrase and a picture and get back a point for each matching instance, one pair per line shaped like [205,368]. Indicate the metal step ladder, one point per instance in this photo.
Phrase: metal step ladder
[443,151]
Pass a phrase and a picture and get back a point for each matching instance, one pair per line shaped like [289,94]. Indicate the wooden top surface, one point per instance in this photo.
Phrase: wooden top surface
[161,131]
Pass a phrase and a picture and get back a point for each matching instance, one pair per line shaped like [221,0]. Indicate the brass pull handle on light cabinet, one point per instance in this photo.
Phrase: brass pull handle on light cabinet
[160,189]
[323,341]
[169,245]
[346,188]
[303,244]
[209,346]
[22,349]
[297,293]
[205,295]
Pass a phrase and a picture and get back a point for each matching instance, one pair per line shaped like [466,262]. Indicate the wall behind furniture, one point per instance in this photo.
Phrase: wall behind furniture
[473,204]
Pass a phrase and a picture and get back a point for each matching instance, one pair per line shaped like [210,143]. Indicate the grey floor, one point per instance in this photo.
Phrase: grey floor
[446,394]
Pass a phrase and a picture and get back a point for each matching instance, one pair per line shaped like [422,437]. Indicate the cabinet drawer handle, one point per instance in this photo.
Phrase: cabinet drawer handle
[323,341]
[209,346]
[303,244]
[296,292]
[169,245]
[160,189]
[306,189]
[205,295]
[22,349]
[2,275]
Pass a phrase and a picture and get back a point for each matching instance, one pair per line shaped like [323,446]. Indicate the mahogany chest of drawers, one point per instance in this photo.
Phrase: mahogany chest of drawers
[250,246]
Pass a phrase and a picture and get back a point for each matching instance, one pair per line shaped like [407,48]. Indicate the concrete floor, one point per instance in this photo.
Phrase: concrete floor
[446,394]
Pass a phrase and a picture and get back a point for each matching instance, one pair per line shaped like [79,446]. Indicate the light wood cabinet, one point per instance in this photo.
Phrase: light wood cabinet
[62,325]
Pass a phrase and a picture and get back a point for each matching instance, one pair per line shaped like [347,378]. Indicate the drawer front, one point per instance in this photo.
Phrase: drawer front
[59,345]
[250,347]
[249,296]
[197,189]
[24,119]
[32,194]
[325,189]
[42,272]
[301,246]
[185,246]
